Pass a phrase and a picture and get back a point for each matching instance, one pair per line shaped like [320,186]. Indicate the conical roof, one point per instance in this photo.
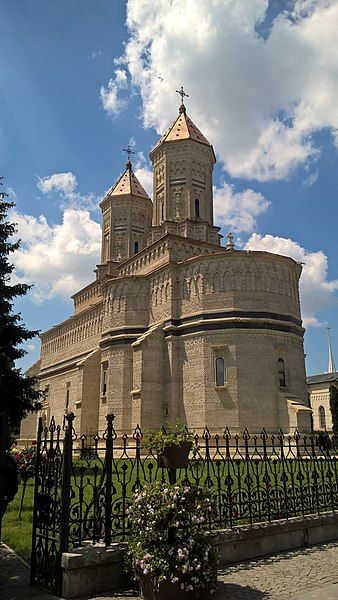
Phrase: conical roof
[182,128]
[128,184]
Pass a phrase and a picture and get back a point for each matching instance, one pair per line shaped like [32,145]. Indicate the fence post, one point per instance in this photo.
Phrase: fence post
[108,464]
[35,505]
[3,448]
[65,494]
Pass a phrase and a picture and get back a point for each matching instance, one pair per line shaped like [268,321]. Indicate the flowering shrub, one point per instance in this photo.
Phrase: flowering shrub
[26,461]
[171,542]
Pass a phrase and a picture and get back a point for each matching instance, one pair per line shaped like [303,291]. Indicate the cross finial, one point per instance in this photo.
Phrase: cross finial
[230,244]
[129,152]
[182,93]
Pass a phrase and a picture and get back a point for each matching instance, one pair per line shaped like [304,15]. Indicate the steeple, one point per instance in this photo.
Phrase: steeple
[331,364]
[128,184]
[182,128]
[183,161]
[127,213]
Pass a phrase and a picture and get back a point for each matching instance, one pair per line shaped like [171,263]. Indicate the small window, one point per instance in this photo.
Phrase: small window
[162,211]
[281,373]
[67,397]
[46,393]
[322,417]
[197,208]
[104,379]
[135,247]
[219,371]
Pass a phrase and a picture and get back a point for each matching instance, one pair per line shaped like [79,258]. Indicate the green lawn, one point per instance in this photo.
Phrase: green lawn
[247,477]
[18,534]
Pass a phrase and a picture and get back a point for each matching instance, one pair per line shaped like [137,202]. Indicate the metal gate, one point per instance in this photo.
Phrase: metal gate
[51,503]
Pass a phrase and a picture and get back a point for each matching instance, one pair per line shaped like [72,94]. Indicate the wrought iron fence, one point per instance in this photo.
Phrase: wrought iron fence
[84,484]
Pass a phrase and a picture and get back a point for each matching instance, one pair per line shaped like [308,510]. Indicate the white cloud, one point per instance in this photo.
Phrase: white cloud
[258,100]
[65,184]
[144,173]
[57,259]
[238,210]
[311,179]
[11,192]
[110,98]
[317,292]
[59,182]
[95,54]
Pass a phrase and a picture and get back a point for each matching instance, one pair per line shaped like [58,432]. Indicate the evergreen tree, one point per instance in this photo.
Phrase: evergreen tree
[334,411]
[17,393]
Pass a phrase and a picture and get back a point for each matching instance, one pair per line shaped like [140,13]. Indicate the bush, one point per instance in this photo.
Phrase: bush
[171,542]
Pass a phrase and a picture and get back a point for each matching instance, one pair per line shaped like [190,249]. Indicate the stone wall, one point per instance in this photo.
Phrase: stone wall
[97,569]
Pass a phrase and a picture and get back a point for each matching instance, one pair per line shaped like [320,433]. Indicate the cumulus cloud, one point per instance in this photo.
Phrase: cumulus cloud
[144,173]
[57,259]
[259,98]
[317,291]
[65,185]
[110,95]
[238,210]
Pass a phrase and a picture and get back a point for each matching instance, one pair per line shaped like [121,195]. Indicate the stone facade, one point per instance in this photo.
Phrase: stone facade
[176,325]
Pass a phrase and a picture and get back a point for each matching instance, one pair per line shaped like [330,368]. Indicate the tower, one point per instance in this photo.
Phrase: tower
[126,215]
[183,161]
[331,364]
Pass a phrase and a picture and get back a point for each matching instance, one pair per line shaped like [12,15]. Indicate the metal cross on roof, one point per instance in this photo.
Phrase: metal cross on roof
[182,93]
[129,151]
[230,244]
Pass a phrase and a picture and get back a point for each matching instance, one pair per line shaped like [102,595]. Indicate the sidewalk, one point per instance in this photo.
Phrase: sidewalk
[309,574]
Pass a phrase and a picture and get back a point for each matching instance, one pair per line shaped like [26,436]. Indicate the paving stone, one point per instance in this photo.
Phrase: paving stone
[308,574]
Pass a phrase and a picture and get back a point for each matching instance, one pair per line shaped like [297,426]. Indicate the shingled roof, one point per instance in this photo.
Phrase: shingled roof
[182,128]
[128,185]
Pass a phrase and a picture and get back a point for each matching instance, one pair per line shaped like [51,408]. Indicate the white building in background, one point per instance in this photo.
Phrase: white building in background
[319,392]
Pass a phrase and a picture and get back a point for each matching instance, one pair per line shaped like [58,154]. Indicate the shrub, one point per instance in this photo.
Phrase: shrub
[171,541]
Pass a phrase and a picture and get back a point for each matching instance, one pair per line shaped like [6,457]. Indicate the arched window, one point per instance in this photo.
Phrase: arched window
[67,395]
[322,417]
[197,208]
[135,247]
[281,373]
[104,379]
[219,371]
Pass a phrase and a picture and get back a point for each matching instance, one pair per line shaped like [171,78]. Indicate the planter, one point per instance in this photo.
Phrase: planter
[166,591]
[175,456]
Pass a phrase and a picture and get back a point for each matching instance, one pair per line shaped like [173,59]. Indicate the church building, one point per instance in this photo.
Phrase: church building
[175,325]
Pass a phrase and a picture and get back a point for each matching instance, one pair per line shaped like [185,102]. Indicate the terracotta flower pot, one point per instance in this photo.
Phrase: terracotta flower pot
[166,590]
[175,456]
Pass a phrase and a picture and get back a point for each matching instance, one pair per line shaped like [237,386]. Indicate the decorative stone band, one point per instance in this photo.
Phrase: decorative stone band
[63,365]
[121,337]
[234,320]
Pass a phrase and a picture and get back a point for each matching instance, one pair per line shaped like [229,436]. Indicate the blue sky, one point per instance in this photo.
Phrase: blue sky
[77,85]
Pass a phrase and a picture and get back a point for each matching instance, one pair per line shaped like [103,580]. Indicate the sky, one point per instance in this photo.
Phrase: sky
[81,80]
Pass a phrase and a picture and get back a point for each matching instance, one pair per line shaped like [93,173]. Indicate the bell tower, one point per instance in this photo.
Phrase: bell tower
[126,215]
[183,161]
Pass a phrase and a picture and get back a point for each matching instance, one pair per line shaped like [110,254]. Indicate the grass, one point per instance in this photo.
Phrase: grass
[18,534]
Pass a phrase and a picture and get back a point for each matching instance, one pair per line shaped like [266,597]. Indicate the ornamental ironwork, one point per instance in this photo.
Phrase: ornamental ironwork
[84,484]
